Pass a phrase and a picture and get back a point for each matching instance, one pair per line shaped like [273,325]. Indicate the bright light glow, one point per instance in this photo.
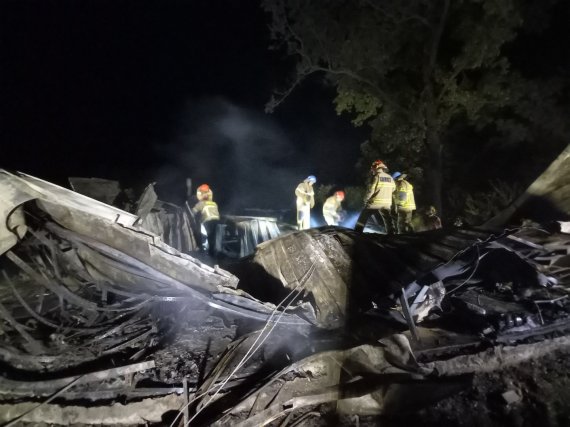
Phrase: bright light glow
[350,220]
[371,226]
[317,222]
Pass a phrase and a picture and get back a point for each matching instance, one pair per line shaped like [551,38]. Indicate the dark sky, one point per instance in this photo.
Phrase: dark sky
[158,90]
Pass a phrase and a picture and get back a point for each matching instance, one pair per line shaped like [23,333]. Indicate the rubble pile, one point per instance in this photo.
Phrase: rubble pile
[102,322]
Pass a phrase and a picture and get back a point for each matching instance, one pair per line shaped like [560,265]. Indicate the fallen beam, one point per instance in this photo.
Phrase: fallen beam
[139,413]
[40,388]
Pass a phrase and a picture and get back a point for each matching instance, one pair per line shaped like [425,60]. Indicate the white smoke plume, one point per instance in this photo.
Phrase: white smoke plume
[245,157]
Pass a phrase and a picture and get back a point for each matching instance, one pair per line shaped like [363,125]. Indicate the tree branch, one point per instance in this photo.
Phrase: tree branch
[399,21]
[438,35]
[279,97]
[453,76]
[379,92]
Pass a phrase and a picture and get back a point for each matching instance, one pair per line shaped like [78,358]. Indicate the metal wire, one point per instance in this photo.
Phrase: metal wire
[250,353]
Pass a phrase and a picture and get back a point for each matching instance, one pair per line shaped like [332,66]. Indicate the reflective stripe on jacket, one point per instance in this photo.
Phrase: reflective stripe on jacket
[207,209]
[380,191]
[405,196]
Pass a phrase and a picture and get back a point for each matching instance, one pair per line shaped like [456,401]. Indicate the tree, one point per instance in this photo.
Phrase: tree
[408,68]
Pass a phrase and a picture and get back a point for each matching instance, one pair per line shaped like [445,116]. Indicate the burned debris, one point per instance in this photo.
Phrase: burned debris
[110,317]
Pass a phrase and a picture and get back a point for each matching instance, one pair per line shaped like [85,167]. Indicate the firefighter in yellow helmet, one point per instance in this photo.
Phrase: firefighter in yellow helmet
[305,202]
[378,201]
[208,214]
[405,202]
[332,208]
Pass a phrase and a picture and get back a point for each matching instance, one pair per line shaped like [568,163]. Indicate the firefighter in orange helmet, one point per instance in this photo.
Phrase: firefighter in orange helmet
[378,201]
[208,214]
[332,208]
[204,192]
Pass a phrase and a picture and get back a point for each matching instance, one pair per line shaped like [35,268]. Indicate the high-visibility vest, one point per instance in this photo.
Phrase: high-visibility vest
[380,191]
[207,209]
[405,196]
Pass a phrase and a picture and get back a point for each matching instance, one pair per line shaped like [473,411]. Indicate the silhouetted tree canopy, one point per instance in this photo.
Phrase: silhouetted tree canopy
[414,70]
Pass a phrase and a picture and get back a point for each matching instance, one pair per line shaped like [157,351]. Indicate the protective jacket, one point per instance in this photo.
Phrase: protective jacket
[305,194]
[404,196]
[331,210]
[380,191]
[207,209]
[305,201]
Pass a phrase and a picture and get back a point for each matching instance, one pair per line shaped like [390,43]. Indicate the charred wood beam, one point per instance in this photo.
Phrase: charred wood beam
[52,397]
[500,357]
[18,359]
[138,413]
[130,342]
[127,392]
[42,388]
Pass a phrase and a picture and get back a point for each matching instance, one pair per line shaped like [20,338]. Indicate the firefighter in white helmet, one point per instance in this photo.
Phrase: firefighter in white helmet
[332,208]
[305,202]
[208,215]
[378,201]
[405,202]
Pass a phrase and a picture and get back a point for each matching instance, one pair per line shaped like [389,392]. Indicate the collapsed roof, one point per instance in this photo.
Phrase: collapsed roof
[97,307]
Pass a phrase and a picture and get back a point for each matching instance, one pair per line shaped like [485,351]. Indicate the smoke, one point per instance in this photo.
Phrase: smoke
[243,155]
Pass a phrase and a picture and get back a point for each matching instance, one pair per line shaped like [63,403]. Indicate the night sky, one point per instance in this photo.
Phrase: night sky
[160,90]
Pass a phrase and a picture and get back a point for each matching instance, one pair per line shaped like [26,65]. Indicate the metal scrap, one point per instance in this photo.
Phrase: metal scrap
[87,286]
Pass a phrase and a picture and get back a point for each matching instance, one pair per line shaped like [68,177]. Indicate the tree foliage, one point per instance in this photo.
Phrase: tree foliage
[411,69]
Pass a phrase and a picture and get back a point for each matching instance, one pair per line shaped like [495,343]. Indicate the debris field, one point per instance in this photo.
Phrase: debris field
[114,317]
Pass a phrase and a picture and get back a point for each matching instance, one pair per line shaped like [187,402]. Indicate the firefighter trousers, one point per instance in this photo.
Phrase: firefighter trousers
[405,221]
[383,216]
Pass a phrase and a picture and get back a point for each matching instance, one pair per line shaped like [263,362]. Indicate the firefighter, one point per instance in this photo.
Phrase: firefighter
[305,202]
[405,202]
[208,215]
[378,201]
[332,209]
[432,221]
[204,192]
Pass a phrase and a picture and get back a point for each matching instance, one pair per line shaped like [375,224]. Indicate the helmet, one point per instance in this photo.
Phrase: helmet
[311,178]
[377,164]
[204,188]
[395,175]
[340,195]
